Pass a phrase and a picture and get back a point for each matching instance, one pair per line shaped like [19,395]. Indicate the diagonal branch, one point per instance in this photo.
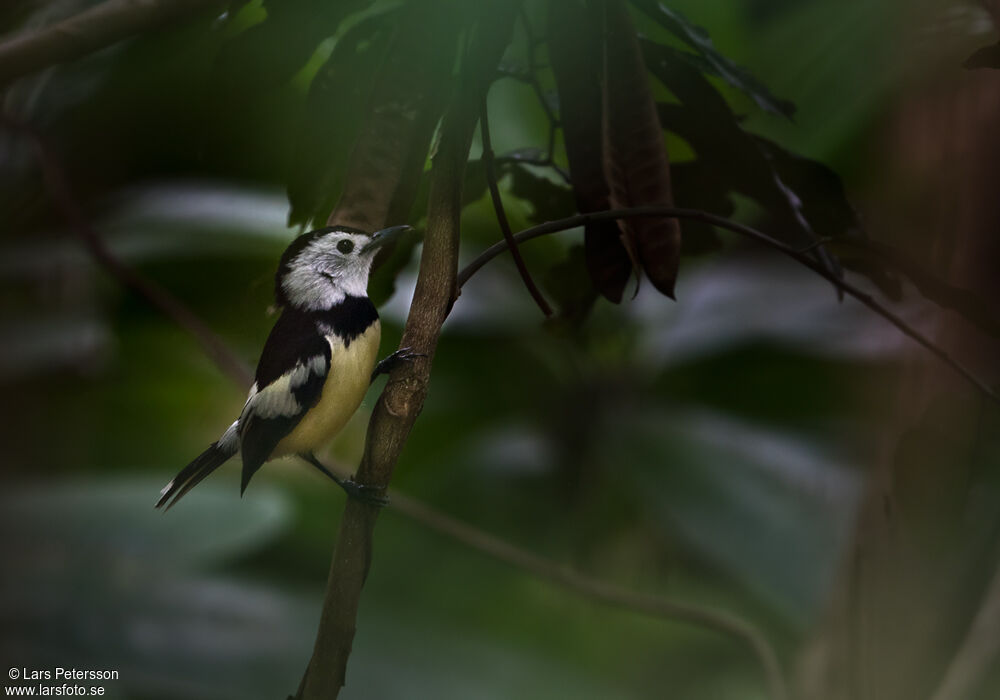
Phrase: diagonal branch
[972,306]
[540,567]
[59,189]
[802,258]
[491,179]
[93,29]
[594,589]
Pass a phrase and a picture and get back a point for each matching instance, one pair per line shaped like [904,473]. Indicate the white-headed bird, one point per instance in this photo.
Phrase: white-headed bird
[316,365]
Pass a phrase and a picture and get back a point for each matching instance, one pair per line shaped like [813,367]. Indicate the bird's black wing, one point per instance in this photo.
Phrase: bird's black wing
[290,378]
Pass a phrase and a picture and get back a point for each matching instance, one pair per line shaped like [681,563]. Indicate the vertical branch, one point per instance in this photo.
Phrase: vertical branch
[403,397]
[508,235]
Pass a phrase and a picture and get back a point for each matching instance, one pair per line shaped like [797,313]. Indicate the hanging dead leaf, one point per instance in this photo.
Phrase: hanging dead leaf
[636,165]
[575,41]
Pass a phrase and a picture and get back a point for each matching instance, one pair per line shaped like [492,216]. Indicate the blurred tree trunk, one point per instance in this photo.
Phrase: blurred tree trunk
[925,547]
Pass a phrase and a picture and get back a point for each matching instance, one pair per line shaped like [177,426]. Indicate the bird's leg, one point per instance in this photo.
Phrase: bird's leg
[395,360]
[366,494]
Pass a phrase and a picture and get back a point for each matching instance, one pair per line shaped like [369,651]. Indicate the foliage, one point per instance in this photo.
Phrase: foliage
[715,450]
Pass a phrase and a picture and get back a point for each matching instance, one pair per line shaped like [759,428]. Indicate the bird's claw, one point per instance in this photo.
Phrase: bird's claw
[370,495]
[407,355]
[395,360]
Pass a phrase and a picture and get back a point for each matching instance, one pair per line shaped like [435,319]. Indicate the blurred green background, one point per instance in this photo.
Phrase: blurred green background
[711,450]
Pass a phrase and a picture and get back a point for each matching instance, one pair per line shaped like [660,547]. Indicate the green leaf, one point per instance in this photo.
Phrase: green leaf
[269,53]
[708,58]
[740,162]
[548,199]
[770,508]
[115,519]
[96,577]
[328,130]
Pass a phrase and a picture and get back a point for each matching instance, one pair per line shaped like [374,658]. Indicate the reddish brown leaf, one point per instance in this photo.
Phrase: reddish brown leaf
[575,40]
[635,158]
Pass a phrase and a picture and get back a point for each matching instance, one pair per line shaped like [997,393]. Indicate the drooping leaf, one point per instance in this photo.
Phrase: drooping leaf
[696,185]
[803,200]
[819,196]
[574,32]
[799,196]
[387,161]
[709,57]
[549,200]
[986,57]
[327,131]
[473,189]
[635,158]
[263,57]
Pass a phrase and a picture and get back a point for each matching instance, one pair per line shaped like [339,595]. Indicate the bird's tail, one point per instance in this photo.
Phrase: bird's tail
[191,475]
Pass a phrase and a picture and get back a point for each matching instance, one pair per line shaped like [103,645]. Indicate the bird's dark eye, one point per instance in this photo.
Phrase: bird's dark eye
[345,246]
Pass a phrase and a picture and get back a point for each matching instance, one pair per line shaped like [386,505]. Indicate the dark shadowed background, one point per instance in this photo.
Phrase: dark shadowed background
[757,446]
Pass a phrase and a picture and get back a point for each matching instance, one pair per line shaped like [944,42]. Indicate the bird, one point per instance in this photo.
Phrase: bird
[316,365]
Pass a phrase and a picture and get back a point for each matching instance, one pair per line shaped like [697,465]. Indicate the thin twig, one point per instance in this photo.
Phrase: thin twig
[818,243]
[600,591]
[62,194]
[545,569]
[491,179]
[530,77]
[92,29]
[518,158]
[722,222]
[965,302]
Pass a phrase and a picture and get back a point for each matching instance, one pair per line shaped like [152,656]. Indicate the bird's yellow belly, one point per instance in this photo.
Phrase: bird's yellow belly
[346,385]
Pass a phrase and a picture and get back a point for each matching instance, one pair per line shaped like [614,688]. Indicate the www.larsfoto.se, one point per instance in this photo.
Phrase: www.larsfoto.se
[29,691]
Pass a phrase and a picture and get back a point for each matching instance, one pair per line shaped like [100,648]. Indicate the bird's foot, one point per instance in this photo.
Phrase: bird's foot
[395,360]
[370,495]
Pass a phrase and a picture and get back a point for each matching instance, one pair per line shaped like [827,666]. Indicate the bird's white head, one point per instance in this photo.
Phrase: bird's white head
[322,267]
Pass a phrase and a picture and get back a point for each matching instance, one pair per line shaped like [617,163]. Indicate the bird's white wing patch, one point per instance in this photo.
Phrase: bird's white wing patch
[278,399]
[300,375]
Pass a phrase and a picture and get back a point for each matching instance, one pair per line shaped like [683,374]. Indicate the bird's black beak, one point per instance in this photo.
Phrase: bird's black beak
[383,237]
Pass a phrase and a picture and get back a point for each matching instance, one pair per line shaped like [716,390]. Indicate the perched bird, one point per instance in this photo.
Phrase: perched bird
[316,365]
